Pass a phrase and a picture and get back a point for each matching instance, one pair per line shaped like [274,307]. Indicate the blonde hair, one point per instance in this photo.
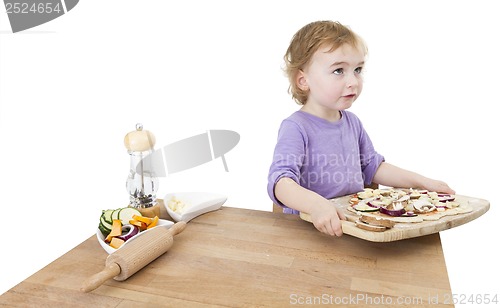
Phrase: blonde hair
[307,41]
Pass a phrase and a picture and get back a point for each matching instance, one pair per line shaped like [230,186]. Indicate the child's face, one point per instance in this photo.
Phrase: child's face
[333,79]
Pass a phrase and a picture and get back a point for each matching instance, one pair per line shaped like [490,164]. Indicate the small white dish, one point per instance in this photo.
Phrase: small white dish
[162,223]
[195,204]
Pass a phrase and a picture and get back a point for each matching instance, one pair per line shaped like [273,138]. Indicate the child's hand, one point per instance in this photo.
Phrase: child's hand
[438,186]
[326,218]
[390,175]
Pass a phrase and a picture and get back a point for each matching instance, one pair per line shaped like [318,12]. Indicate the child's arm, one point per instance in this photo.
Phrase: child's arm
[390,175]
[324,215]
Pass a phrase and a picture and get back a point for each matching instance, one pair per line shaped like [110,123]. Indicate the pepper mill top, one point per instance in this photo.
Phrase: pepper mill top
[139,140]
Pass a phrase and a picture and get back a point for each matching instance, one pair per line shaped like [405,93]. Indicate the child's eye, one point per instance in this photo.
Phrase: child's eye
[358,70]
[338,71]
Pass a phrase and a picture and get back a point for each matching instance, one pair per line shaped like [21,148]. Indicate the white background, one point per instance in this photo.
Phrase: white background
[72,88]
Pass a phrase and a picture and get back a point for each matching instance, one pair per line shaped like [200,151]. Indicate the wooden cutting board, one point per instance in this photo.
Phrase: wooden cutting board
[475,207]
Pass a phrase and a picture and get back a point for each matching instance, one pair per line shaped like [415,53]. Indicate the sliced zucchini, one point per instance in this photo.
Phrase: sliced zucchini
[126,214]
[107,216]
[105,224]
[114,214]
[105,231]
[363,207]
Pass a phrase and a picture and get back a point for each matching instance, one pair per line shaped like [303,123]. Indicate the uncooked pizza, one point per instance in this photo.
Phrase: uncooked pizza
[380,209]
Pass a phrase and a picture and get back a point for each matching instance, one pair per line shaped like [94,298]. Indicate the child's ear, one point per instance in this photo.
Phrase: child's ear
[301,81]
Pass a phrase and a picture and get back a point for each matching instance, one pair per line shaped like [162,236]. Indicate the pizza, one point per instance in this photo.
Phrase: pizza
[379,209]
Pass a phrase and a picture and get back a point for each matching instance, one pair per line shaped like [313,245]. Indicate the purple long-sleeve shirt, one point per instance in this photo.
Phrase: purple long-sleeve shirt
[330,158]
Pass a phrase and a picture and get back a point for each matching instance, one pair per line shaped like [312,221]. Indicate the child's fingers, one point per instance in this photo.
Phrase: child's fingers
[442,187]
[329,223]
[329,228]
[335,226]
[341,214]
[447,189]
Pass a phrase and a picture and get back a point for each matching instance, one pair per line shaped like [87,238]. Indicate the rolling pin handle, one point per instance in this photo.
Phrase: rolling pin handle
[110,271]
[177,227]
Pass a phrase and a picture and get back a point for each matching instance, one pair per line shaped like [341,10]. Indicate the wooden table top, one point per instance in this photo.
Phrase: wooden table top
[246,258]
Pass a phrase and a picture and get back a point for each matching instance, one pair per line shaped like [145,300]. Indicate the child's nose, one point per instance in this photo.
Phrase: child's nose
[352,81]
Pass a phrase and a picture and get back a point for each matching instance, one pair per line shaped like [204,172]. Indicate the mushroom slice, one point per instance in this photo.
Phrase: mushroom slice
[377,221]
[452,204]
[368,227]
[365,194]
[423,206]
[414,194]
[383,192]
[403,199]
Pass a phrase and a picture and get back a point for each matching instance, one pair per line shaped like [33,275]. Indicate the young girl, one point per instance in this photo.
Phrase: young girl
[322,150]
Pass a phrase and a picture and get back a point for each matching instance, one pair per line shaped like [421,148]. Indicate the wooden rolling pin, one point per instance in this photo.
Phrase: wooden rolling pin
[132,257]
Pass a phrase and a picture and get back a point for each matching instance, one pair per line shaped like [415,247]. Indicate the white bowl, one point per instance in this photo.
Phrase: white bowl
[197,203]
[162,223]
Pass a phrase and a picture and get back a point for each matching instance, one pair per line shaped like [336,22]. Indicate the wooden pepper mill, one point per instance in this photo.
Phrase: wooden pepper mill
[142,183]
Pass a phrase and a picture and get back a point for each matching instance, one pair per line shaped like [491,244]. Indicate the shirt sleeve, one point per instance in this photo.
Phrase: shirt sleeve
[289,155]
[370,159]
